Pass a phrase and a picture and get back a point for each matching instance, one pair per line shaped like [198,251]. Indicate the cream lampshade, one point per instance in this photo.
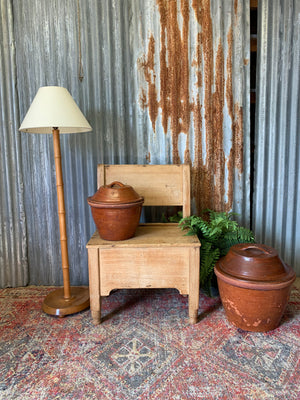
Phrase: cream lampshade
[53,110]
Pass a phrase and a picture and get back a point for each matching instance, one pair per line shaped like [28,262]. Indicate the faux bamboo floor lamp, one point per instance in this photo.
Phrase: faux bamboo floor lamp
[53,110]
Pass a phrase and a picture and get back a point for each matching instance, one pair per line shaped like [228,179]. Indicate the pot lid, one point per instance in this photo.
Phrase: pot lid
[115,193]
[256,262]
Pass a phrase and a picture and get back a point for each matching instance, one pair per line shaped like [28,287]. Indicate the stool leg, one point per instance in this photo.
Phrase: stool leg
[193,316]
[94,285]
[96,317]
[194,278]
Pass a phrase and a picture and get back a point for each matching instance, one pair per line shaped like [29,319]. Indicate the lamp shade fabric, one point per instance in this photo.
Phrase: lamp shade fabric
[54,107]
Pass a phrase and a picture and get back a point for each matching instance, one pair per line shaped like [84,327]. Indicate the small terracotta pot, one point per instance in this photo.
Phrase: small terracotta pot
[116,210]
[254,285]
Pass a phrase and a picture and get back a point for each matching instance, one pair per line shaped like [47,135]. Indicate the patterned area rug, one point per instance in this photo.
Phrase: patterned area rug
[144,349]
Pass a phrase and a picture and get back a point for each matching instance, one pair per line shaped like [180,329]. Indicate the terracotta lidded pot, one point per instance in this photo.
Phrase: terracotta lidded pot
[254,285]
[116,210]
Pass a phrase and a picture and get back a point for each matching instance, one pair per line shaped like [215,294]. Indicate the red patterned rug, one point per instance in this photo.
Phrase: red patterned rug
[144,349]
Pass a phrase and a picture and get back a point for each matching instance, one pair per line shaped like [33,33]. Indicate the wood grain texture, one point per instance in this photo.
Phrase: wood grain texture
[61,214]
[139,268]
[151,235]
[194,283]
[94,284]
[159,255]
[160,185]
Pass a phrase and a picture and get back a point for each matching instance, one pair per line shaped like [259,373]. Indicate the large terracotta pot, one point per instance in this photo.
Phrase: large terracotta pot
[116,210]
[254,285]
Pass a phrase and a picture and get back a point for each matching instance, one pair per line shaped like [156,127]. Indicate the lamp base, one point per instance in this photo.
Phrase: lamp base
[56,304]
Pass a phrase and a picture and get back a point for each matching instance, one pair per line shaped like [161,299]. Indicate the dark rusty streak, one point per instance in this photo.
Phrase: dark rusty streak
[199,173]
[236,6]
[164,75]
[229,94]
[235,159]
[238,143]
[174,48]
[150,77]
[219,157]
[143,100]
[206,181]
[229,99]
[174,72]
[184,79]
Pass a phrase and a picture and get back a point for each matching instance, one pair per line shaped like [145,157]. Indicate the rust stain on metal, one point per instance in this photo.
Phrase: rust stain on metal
[236,6]
[229,99]
[200,175]
[238,137]
[148,67]
[229,94]
[178,109]
[235,111]
[174,71]
[143,100]
[219,156]
[203,179]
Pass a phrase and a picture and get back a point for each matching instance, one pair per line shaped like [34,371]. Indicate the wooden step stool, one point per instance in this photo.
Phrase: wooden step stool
[159,255]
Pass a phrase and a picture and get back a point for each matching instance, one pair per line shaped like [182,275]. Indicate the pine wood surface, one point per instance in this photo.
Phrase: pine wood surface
[160,185]
[149,235]
[128,268]
[159,255]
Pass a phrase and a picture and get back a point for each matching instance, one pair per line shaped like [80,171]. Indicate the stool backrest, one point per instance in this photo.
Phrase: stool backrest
[160,185]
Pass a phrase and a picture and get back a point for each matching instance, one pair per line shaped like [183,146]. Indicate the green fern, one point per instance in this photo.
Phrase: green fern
[176,218]
[217,233]
[209,256]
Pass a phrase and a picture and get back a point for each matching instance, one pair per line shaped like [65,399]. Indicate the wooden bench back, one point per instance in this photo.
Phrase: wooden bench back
[160,185]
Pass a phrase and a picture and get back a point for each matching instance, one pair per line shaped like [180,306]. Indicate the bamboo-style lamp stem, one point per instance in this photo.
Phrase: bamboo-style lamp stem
[61,214]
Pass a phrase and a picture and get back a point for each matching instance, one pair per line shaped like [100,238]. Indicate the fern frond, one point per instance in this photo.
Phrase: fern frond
[217,235]
[176,218]
[241,235]
[209,256]
[245,235]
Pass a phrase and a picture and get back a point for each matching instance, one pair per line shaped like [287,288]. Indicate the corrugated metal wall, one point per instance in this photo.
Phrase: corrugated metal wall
[276,210]
[13,239]
[161,81]
[195,85]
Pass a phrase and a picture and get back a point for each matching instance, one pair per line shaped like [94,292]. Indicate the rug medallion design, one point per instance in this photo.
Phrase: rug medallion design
[136,357]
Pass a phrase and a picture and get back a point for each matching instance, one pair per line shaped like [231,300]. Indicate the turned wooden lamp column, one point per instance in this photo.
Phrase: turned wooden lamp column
[54,110]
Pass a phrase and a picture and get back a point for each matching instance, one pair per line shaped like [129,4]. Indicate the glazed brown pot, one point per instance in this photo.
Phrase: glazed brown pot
[116,210]
[254,285]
